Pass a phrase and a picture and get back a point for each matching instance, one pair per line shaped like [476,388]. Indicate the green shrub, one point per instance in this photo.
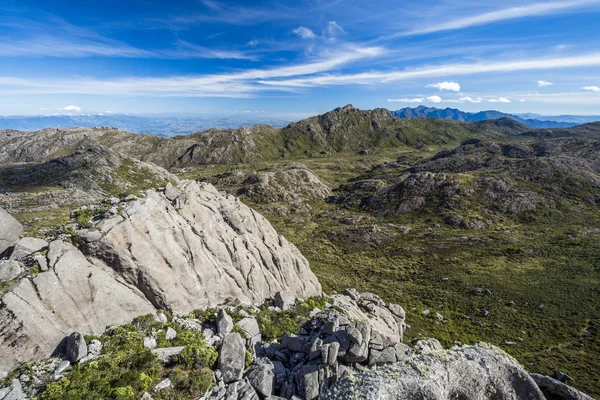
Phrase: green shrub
[198,355]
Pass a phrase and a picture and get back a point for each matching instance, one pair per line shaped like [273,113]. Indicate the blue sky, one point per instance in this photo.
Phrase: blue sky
[298,57]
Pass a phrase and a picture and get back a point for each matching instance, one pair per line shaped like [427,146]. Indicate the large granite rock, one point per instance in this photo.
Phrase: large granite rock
[73,295]
[194,251]
[10,230]
[473,372]
[200,248]
[26,247]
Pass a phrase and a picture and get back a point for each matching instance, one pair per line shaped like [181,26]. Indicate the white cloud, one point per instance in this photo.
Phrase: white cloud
[415,100]
[532,10]
[499,100]
[304,32]
[592,88]
[469,99]
[369,78]
[71,109]
[453,86]
[252,43]
[432,99]
[544,83]
[334,31]
[522,100]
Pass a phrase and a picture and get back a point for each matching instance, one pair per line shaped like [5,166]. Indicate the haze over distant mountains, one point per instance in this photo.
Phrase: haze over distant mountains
[531,120]
[162,125]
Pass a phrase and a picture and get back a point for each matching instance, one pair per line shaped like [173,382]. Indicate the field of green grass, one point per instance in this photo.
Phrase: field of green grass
[542,274]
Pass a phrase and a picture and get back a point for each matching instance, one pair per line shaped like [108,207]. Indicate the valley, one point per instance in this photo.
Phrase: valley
[486,231]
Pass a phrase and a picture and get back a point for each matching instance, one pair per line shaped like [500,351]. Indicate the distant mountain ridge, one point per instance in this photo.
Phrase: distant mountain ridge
[531,120]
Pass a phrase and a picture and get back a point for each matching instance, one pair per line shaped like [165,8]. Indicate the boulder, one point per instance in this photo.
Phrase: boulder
[10,230]
[76,347]
[38,313]
[261,377]
[167,354]
[13,392]
[166,383]
[250,326]
[9,270]
[224,323]
[385,356]
[199,250]
[284,300]
[170,334]
[90,235]
[555,389]
[232,358]
[460,373]
[26,247]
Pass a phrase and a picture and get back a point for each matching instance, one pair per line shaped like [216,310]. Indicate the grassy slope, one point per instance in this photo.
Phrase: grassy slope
[529,263]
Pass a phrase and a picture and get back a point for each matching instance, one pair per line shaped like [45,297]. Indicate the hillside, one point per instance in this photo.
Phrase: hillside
[458,115]
[484,231]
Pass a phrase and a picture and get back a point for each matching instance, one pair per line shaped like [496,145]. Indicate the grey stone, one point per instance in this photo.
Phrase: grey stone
[162,317]
[94,347]
[465,373]
[250,326]
[224,323]
[10,230]
[170,334]
[42,262]
[261,378]
[62,367]
[90,235]
[293,342]
[329,352]
[163,385]
[146,396]
[284,300]
[13,392]
[76,347]
[310,375]
[359,351]
[555,389]
[149,342]
[168,354]
[428,345]
[232,358]
[171,192]
[385,356]
[402,351]
[26,247]
[9,270]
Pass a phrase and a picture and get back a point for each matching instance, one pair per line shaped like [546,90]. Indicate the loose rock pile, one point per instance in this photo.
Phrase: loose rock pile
[358,331]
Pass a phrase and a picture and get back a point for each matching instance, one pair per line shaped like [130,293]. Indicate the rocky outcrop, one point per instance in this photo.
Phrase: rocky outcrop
[10,230]
[193,251]
[470,372]
[291,183]
[356,331]
[73,295]
[556,390]
[199,248]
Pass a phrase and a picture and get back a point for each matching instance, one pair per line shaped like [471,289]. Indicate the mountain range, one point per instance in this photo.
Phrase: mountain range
[531,120]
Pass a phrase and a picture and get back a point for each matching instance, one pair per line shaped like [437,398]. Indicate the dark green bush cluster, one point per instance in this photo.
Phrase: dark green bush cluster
[274,324]
[125,369]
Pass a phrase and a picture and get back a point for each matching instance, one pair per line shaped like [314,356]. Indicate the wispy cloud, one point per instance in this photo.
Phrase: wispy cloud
[499,100]
[592,88]
[431,99]
[544,83]
[304,32]
[333,32]
[369,78]
[532,10]
[71,109]
[469,99]
[453,86]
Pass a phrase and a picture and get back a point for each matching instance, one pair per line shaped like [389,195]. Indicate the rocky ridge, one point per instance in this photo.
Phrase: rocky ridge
[181,249]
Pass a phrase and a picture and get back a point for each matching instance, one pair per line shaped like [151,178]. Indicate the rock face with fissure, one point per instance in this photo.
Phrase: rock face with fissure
[471,372]
[192,250]
[197,248]
[10,230]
